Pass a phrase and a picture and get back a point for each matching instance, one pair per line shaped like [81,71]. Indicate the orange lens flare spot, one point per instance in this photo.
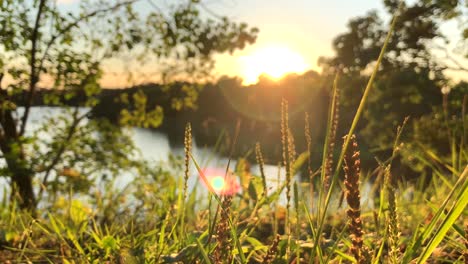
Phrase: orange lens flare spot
[220,184]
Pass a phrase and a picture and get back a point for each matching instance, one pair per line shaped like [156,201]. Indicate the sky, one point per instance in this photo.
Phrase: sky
[297,31]
[305,27]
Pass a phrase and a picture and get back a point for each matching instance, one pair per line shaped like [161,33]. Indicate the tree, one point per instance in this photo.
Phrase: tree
[417,33]
[440,137]
[41,43]
[412,73]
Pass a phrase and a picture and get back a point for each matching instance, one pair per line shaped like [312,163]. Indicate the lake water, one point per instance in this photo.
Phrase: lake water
[155,146]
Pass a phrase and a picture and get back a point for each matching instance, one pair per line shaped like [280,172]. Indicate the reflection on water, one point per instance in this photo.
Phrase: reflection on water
[155,146]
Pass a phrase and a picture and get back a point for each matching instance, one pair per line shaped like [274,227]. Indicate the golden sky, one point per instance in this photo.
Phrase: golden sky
[295,32]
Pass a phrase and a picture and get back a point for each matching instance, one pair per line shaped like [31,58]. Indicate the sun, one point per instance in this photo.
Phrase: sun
[275,61]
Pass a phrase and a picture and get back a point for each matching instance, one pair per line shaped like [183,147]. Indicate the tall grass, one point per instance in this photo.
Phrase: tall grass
[166,223]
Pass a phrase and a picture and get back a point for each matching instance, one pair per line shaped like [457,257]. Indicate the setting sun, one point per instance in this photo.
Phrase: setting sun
[272,61]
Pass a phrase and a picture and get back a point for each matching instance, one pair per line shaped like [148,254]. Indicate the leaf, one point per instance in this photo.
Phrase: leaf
[456,210]
[203,252]
[109,243]
[300,161]
[252,191]
[257,244]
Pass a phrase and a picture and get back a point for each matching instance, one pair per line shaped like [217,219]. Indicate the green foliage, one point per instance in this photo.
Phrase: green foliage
[42,45]
[440,136]
[188,99]
[84,218]
[398,93]
[416,34]
[140,117]
[411,80]
[130,226]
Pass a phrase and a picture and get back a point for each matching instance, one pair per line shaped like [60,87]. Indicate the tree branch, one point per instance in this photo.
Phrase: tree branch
[34,75]
[7,121]
[75,24]
[1,108]
[49,44]
[458,66]
[71,131]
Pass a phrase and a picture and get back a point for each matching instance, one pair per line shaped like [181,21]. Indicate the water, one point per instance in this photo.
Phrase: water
[155,147]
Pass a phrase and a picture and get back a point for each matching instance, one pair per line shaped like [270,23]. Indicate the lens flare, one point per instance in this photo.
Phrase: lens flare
[216,181]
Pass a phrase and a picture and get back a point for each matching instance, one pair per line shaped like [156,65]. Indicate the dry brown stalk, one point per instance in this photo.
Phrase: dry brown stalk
[285,135]
[308,138]
[261,163]
[188,149]
[272,250]
[222,253]
[331,140]
[392,219]
[352,169]
[291,149]
[288,149]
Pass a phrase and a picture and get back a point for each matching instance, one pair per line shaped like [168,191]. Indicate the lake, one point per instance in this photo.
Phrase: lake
[155,146]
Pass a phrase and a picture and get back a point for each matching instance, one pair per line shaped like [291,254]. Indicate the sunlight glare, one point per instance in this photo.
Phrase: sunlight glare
[272,61]
[218,183]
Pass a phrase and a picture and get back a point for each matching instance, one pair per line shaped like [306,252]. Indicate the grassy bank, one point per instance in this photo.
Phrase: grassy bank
[157,220]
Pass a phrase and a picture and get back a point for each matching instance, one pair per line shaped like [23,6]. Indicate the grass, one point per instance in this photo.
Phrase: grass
[182,229]
[417,222]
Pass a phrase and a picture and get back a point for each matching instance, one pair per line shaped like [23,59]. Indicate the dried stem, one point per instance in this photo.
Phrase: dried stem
[334,116]
[272,251]
[287,149]
[261,163]
[222,254]
[392,219]
[187,149]
[352,169]
[308,138]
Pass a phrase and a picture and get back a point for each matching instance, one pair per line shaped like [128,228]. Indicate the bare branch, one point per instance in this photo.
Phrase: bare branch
[458,66]
[75,24]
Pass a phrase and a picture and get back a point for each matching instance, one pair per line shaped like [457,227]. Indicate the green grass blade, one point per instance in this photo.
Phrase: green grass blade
[454,213]
[203,252]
